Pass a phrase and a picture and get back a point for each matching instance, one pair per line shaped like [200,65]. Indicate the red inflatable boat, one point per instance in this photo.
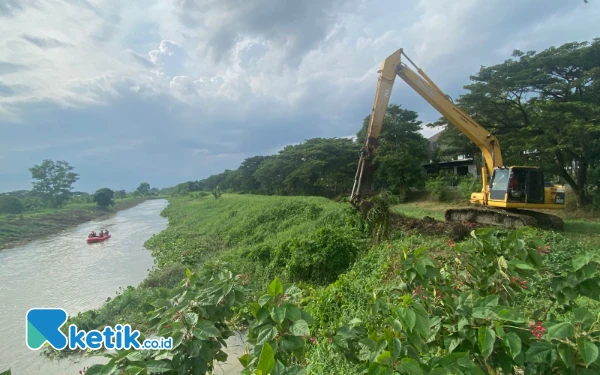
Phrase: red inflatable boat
[97,239]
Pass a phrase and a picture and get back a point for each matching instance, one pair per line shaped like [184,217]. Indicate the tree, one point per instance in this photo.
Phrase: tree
[54,181]
[143,189]
[104,197]
[323,166]
[452,142]
[245,180]
[10,205]
[318,166]
[272,172]
[120,194]
[401,150]
[547,103]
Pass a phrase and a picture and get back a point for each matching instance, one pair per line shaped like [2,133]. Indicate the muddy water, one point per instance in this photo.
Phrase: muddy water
[64,271]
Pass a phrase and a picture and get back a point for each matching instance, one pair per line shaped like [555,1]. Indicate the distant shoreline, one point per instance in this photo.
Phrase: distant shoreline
[19,231]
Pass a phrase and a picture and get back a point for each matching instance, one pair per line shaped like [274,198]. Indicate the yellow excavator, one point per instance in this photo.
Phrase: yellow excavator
[505,200]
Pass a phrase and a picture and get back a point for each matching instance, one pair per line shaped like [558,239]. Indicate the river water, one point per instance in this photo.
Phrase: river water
[64,271]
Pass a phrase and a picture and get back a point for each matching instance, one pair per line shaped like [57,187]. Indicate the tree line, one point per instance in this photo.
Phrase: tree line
[543,106]
[53,188]
[326,166]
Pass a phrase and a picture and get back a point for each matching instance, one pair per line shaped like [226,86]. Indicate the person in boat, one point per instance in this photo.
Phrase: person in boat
[106,232]
[93,234]
[101,233]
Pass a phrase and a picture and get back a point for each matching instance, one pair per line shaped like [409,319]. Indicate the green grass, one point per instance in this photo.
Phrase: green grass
[206,229]
[419,210]
[19,229]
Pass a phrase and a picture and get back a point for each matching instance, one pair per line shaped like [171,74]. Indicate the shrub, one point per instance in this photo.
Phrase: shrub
[166,277]
[10,205]
[394,199]
[437,187]
[31,203]
[468,184]
[261,253]
[465,315]
[319,258]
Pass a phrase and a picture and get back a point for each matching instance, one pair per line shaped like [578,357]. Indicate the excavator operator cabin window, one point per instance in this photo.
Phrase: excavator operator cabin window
[499,184]
[516,185]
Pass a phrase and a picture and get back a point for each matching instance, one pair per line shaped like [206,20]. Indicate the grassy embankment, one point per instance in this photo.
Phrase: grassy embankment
[322,247]
[241,230]
[16,230]
[582,227]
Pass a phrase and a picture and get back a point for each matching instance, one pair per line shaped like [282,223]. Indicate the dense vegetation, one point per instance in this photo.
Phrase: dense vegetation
[315,295]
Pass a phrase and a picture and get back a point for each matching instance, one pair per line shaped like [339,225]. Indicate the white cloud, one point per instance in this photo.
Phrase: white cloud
[236,78]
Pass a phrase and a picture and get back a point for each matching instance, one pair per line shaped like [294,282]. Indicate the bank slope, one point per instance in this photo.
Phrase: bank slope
[17,230]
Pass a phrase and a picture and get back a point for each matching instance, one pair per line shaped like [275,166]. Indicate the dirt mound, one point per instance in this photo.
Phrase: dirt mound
[429,226]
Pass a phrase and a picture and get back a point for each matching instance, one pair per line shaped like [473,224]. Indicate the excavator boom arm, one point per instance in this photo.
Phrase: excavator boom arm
[387,75]
[422,84]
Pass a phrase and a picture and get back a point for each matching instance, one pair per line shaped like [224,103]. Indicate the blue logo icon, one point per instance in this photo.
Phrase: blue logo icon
[43,325]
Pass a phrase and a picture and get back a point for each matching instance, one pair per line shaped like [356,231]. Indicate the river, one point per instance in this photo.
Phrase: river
[64,271]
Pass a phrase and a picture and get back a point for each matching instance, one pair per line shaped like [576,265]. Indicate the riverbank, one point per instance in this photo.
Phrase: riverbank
[306,279]
[17,230]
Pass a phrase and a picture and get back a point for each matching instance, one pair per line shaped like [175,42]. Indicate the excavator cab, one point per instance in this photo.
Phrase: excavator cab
[516,185]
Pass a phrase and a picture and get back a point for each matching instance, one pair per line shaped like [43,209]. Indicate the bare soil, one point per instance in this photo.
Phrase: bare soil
[430,226]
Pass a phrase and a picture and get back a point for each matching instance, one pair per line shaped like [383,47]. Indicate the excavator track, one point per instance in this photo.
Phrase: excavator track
[505,218]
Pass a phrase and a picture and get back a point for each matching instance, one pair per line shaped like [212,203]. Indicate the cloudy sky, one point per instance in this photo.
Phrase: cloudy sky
[167,91]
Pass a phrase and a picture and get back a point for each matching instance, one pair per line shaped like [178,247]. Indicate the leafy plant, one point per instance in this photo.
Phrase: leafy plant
[463,315]
[437,187]
[467,185]
[216,192]
[279,333]
[194,315]
[318,258]
[378,219]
